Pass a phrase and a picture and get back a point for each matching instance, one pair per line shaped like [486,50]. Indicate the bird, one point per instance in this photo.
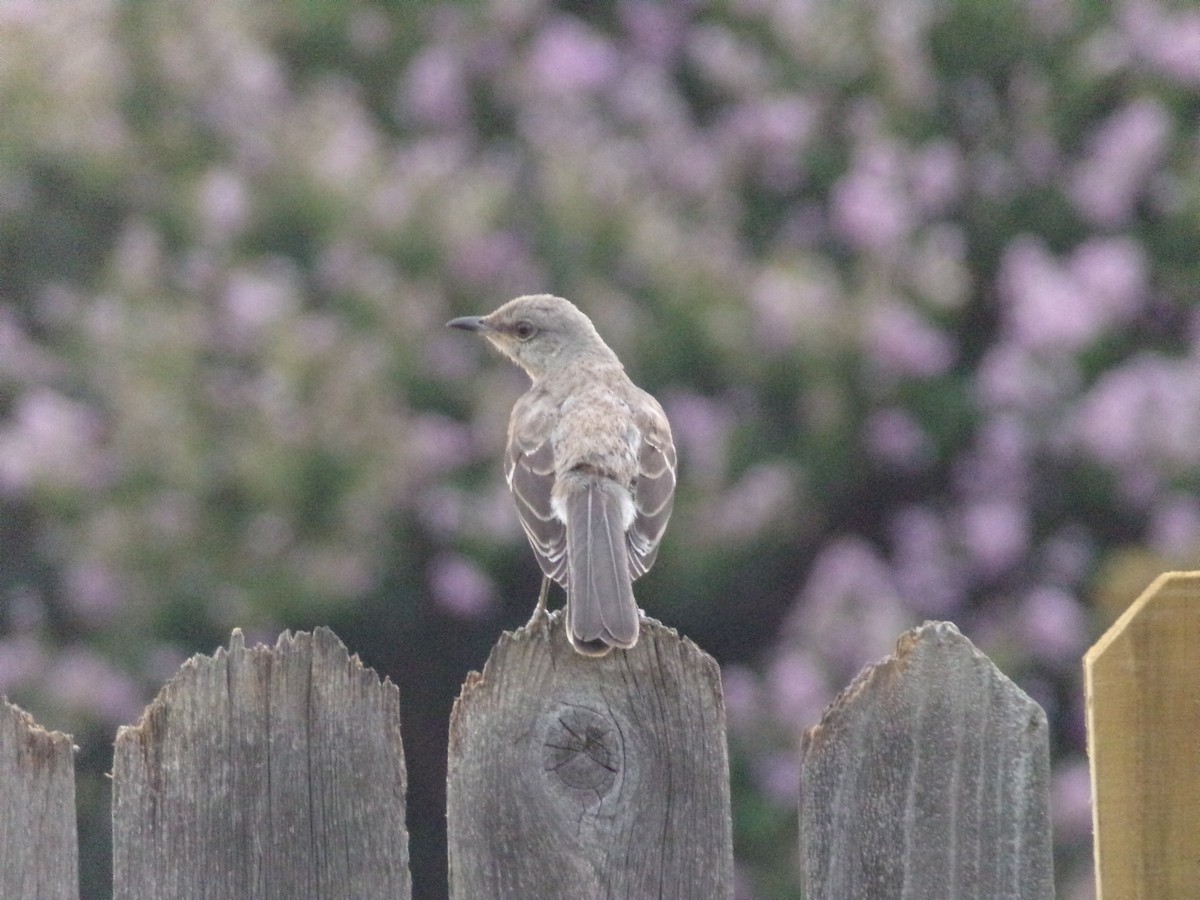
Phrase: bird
[590,462]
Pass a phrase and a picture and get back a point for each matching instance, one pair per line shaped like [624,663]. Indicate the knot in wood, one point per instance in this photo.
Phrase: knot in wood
[583,749]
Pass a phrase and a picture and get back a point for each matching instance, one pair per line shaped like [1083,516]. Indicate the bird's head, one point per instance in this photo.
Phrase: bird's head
[539,333]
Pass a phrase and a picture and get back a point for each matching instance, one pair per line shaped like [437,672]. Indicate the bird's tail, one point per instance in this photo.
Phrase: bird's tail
[601,611]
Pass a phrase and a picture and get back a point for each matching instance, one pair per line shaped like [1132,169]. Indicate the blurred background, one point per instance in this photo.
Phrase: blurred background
[916,281]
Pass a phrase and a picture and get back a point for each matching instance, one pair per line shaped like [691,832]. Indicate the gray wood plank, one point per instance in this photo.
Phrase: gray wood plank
[579,777]
[39,852]
[266,773]
[928,777]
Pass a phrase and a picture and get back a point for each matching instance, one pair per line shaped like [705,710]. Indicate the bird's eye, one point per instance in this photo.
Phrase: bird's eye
[524,330]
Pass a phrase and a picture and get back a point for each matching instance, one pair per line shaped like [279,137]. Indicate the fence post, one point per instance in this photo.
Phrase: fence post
[579,777]
[266,773]
[928,777]
[1142,681]
[39,853]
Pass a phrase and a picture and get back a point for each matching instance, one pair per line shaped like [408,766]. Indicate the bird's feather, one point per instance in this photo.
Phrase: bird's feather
[529,469]
[654,489]
[601,611]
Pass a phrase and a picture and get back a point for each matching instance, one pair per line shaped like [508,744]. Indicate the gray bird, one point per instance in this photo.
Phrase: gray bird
[590,463]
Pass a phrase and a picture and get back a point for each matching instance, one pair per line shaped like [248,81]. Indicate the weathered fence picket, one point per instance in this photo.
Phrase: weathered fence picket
[265,773]
[278,772]
[928,778]
[1142,682]
[578,777]
[39,857]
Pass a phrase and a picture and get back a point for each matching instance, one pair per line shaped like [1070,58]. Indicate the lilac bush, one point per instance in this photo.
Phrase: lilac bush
[915,282]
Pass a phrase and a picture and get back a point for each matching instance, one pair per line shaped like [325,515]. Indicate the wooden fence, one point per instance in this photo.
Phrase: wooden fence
[279,773]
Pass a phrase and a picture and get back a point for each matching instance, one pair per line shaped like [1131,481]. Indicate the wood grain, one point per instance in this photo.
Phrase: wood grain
[39,853]
[1142,681]
[580,777]
[265,772]
[927,778]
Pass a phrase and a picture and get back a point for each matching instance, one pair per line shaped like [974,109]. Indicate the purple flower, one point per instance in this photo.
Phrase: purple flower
[927,569]
[896,438]
[996,533]
[850,609]
[460,588]
[1058,308]
[94,591]
[569,58]
[498,262]
[656,31]
[702,427]
[797,688]
[1068,555]
[1143,414]
[1175,526]
[49,440]
[1115,272]
[1054,625]
[1122,153]
[772,134]
[257,299]
[87,684]
[341,145]
[223,205]
[1168,41]
[998,464]
[938,174]
[871,208]
[1014,377]
[435,89]
[904,344]
[438,443]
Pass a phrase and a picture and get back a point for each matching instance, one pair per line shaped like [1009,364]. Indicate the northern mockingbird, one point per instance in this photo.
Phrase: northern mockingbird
[590,463]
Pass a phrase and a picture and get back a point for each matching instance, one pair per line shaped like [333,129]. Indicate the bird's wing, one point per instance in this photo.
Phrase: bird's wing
[529,470]
[654,491]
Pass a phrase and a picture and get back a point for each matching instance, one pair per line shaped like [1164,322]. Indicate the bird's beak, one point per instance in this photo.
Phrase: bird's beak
[468,323]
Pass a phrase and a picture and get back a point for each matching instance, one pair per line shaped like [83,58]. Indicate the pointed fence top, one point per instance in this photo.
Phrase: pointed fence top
[1142,681]
[273,769]
[928,776]
[575,776]
[38,847]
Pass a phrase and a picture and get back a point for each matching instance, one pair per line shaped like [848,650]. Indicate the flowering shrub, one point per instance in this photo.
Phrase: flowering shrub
[915,282]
